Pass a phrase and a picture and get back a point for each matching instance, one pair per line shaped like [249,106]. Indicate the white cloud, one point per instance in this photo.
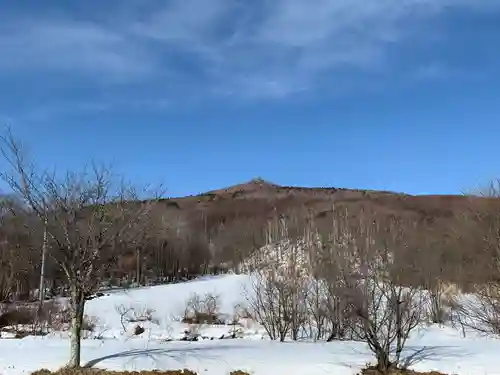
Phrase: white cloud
[62,108]
[279,47]
[183,22]
[73,47]
[238,47]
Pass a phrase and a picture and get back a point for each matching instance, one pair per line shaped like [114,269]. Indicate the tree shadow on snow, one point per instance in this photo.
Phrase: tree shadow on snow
[176,354]
[415,354]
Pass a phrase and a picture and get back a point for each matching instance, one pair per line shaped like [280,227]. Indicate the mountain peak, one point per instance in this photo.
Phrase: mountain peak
[261,182]
[254,184]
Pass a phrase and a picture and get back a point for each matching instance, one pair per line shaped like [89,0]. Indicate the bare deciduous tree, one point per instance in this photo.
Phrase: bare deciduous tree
[87,215]
[338,261]
[480,229]
[386,309]
[279,283]
[481,311]
[268,301]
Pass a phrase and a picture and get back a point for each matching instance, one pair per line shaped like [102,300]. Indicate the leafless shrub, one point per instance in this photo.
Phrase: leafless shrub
[386,310]
[31,319]
[386,314]
[481,311]
[6,283]
[92,328]
[235,324]
[327,312]
[123,311]
[437,312]
[202,310]
[59,317]
[442,298]
[17,316]
[363,264]
[277,299]
[436,269]
[339,316]
[211,304]
[193,306]
[20,321]
[90,323]
[143,314]
[479,229]
[268,301]
[315,301]
[336,259]
[299,314]
[241,318]
[240,311]
[135,314]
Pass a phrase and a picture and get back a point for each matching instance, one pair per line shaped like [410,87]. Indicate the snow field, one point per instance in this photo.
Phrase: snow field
[440,348]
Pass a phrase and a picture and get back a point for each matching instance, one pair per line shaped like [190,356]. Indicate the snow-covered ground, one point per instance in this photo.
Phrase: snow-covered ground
[442,348]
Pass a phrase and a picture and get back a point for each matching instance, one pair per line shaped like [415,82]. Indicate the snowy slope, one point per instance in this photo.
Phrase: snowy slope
[167,303]
[443,348]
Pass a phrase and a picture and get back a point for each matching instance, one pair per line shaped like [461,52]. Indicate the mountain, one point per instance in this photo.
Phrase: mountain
[235,216]
[230,223]
[260,198]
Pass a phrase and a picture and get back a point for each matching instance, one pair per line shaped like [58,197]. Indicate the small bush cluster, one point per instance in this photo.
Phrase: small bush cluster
[29,319]
[202,310]
[137,314]
[90,323]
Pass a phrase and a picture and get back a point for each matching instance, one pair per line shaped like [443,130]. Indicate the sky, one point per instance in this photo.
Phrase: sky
[398,95]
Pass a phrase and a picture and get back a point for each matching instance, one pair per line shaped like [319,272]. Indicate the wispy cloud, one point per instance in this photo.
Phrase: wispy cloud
[71,47]
[227,47]
[66,109]
[284,46]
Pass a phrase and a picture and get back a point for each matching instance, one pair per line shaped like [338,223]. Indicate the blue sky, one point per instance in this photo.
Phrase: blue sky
[397,95]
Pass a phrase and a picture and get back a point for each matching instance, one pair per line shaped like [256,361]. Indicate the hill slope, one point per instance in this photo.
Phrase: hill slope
[258,197]
[221,228]
[245,208]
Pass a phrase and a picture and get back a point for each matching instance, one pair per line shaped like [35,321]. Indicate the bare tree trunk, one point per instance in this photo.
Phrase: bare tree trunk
[400,336]
[42,265]
[138,266]
[77,310]
[283,336]
[383,361]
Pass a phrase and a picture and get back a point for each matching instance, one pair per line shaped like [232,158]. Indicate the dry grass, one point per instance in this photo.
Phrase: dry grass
[374,371]
[367,371]
[86,371]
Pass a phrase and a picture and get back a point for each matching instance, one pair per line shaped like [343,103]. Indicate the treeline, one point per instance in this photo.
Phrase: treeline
[165,251]
[173,246]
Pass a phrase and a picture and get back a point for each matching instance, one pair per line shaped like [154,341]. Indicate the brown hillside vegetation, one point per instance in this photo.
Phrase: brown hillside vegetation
[253,203]
[214,231]
[259,198]
[233,218]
